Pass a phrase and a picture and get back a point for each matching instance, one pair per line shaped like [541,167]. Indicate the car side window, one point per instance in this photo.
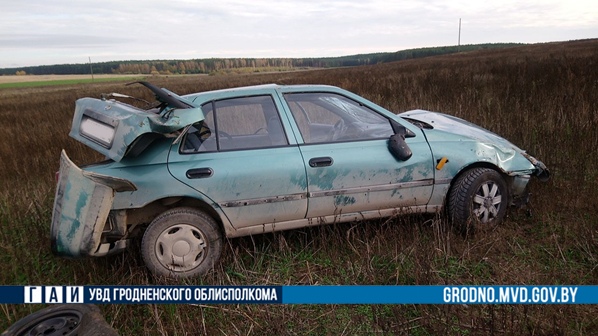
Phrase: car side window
[329,117]
[238,123]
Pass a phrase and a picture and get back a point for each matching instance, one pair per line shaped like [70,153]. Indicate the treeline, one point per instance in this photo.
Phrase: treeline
[210,65]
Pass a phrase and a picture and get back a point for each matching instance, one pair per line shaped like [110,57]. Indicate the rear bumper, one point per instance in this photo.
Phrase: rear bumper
[81,207]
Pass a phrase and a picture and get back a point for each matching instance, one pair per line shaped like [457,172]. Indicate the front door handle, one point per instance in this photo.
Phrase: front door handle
[198,173]
[324,161]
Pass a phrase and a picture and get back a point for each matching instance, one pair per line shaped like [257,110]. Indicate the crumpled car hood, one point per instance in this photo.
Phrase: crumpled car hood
[451,124]
[457,126]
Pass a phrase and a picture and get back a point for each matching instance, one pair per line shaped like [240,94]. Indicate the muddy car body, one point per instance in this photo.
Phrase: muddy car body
[228,163]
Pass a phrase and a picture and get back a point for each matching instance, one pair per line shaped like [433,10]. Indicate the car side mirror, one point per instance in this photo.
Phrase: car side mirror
[400,129]
[397,145]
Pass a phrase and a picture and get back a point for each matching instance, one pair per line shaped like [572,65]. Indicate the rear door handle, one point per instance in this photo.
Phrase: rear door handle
[324,161]
[198,173]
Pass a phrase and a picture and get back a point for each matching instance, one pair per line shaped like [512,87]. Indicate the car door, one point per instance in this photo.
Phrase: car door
[349,167]
[240,158]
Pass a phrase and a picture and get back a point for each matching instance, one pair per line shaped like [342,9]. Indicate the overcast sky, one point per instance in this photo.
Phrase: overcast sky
[43,32]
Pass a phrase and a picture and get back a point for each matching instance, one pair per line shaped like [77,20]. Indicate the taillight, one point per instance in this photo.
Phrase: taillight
[57,176]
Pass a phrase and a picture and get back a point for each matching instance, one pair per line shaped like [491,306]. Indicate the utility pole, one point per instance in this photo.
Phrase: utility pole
[90,68]
[459,41]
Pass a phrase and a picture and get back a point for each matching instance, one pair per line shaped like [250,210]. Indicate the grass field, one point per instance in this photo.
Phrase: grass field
[52,78]
[544,98]
[8,82]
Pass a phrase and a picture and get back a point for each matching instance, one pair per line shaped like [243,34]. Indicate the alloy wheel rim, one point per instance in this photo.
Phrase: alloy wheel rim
[487,202]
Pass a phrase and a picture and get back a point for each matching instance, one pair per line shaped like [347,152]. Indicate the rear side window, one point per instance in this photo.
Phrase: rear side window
[238,123]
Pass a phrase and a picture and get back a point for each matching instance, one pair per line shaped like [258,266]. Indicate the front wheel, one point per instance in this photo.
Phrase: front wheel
[181,243]
[478,199]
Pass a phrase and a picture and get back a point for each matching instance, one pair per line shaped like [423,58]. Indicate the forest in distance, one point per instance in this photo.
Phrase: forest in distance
[212,65]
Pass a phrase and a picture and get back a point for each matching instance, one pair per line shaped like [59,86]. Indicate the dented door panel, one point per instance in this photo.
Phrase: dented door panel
[365,176]
[250,186]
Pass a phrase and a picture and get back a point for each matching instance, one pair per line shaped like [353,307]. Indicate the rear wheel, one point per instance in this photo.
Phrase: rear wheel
[478,199]
[181,243]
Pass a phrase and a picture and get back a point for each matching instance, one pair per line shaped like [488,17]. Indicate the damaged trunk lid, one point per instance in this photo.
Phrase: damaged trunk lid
[115,129]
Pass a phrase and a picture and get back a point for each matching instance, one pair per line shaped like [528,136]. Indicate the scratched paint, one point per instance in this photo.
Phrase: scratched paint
[363,164]
[344,200]
[81,208]
[70,210]
[248,175]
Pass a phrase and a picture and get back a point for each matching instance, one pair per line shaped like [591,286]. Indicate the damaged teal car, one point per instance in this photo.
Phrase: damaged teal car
[189,171]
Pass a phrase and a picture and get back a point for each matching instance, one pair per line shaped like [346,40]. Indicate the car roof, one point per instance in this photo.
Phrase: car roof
[263,88]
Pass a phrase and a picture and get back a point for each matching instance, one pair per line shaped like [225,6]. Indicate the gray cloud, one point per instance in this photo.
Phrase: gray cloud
[57,41]
[65,31]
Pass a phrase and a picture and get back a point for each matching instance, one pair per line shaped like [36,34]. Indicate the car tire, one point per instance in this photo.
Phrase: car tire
[63,319]
[478,199]
[181,243]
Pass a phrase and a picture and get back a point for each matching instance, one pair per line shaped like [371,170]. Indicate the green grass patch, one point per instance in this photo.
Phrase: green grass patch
[65,82]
